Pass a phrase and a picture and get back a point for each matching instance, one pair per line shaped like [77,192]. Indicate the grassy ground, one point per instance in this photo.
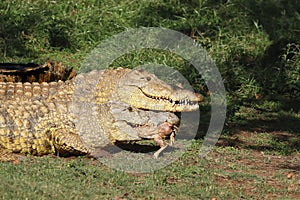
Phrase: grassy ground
[257,53]
[251,166]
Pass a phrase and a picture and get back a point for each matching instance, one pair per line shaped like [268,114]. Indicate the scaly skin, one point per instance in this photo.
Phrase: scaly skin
[12,72]
[87,113]
[145,90]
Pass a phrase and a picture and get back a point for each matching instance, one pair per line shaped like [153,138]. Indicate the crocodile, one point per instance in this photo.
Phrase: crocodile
[32,72]
[83,115]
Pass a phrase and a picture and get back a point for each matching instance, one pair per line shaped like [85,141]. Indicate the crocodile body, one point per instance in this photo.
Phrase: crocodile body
[30,72]
[93,110]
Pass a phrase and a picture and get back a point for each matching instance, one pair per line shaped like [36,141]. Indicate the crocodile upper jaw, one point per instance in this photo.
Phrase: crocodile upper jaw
[144,90]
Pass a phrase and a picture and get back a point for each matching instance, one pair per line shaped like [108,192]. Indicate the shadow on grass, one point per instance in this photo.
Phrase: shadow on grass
[282,127]
[137,148]
[281,123]
[28,34]
[13,35]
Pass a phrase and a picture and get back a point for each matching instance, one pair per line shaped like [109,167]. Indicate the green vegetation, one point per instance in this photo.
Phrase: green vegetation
[256,47]
[226,173]
[255,44]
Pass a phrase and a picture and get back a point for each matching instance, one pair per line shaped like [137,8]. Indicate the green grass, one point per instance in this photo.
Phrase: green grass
[239,36]
[226,173]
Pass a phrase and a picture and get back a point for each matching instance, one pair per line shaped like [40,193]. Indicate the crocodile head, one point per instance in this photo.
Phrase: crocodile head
[142,89]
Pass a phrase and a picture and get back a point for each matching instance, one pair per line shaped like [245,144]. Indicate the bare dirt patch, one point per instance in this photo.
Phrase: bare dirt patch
[254,165]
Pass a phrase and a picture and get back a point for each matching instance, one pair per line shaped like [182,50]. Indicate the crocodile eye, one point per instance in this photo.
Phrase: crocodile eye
[147,78]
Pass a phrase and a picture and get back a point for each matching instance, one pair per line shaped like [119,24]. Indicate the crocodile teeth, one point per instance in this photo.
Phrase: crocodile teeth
[173,103]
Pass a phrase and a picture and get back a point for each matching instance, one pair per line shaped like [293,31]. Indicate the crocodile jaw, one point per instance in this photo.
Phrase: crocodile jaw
[144,90]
